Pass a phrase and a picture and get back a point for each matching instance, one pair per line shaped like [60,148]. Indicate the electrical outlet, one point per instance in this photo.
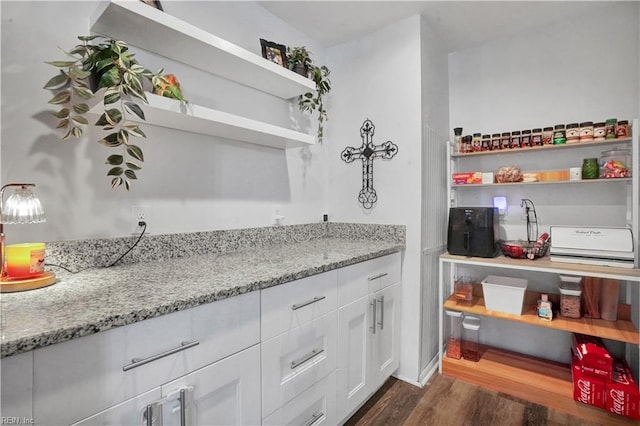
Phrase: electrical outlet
[138,214]
[277,215]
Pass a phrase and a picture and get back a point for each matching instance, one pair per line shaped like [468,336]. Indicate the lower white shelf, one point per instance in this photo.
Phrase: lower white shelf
[170,113]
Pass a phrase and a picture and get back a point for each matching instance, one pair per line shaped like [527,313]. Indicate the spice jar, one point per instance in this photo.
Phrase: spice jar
[505,140]
[476,142]
[466,144]
[590,168]
[622,131]
[610,128]
[486,142]
[572,133]
[457,140]
[454,342]
[525,141]
[515,139]
[495,141]
[599,131]
[536,137]
[471,339]
[547,136]
[559,136]
[586,131]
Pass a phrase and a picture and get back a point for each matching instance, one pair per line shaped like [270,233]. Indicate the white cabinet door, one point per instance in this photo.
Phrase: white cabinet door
[16,387]
[224,393]
[354,341]
[131,412]
[386,344]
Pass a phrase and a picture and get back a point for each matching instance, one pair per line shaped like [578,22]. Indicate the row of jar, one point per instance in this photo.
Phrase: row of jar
[559,134]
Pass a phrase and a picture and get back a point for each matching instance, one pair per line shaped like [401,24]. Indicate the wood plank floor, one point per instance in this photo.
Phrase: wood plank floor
[450,402]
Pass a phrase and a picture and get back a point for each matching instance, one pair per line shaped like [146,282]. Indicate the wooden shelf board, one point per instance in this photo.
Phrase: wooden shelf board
[546,265]
[552,182]
[621,330]
[544,147]
[151,29]
[170,113]
[532,379]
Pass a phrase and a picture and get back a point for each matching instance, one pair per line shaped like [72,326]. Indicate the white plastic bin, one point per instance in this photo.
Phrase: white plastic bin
[504,294]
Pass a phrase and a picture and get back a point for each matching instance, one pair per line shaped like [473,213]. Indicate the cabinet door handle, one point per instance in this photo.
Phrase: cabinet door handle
[373,323]
[137,362]
[151,410]
[381,301]
[149,415]
[314,353]
[307,303]
[183,407]
[375,277]
[316,416]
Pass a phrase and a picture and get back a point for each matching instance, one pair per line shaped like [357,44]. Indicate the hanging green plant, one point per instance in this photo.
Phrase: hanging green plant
[299,60]
[107,65]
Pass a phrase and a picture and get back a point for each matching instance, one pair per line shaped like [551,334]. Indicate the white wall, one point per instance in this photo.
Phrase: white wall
[191,182]
[378,77]
[582,69]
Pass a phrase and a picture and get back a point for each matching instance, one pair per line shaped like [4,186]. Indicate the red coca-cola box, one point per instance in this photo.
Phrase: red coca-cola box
[593,355]
[622,394]
[586,389]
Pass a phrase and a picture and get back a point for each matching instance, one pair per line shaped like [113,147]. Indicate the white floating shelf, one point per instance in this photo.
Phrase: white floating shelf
[151,29]
[173,114]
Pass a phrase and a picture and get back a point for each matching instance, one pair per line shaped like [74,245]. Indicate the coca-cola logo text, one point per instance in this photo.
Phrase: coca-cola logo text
[585,391]
[617,397]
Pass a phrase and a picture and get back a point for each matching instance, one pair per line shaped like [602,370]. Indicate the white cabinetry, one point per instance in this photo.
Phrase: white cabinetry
[79,378]
[539,380]
[368,329]
[158,32]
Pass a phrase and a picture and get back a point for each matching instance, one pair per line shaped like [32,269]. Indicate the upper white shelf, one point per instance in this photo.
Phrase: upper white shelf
[151,29]
[170,113]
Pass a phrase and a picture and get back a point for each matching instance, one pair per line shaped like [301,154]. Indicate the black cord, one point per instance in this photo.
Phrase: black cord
[65,268]
[144,228]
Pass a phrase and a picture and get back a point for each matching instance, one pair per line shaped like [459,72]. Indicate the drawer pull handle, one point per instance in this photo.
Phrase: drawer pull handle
[316,416]
[306,358]
[137,362]
[375,277]
[308,302]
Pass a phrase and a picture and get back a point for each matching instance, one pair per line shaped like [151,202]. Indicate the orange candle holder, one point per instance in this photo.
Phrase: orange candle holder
[24,260]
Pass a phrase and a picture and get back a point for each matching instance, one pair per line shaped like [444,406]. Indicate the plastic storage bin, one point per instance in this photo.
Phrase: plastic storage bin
[570,296]
[454,343]
[504,294]
[615,163]
[471,338]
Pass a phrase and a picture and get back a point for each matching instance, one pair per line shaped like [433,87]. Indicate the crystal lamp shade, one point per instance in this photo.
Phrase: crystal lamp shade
[22,207]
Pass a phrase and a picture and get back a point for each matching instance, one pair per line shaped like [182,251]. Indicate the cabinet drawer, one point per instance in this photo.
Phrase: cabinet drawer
[78,378]
[358,280]
[298,302]
[293,361]
[315,406]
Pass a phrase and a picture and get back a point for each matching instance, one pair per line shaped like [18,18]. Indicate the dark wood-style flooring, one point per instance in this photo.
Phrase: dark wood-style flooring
[449,402]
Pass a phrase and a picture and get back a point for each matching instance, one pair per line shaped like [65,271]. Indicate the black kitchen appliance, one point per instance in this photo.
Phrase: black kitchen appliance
[473,231]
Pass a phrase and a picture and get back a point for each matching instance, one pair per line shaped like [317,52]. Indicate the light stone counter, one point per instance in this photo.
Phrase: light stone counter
[99,298]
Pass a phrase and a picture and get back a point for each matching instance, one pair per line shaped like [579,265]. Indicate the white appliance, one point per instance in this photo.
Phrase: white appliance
[592,245]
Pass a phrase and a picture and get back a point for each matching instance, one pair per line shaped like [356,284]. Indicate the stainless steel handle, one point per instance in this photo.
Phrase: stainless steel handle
[183,407]
[316,416]
[308,302]
[384,274]
[137,362]
[149,415]
[381,323]
[306,358]
[373,324]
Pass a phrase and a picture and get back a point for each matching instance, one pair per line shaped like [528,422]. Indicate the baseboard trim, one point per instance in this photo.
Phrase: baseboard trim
[428,371]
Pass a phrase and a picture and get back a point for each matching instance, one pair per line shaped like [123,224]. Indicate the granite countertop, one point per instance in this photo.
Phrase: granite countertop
[98,299]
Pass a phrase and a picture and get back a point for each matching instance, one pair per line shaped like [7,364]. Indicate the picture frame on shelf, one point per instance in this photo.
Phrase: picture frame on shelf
[153,3]
[274,52]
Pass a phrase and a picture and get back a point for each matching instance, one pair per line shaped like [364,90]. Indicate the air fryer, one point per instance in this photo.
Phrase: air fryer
[473,231]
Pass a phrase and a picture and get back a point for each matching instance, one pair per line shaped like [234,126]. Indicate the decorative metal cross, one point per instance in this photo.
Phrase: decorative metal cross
[367,153]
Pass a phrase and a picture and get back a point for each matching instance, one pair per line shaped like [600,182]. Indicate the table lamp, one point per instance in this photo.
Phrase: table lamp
[25,262]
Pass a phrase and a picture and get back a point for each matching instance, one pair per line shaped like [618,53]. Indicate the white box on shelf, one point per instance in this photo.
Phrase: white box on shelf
[504,294]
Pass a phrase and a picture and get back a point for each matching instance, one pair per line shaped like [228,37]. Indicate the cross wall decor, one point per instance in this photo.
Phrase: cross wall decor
[367,153]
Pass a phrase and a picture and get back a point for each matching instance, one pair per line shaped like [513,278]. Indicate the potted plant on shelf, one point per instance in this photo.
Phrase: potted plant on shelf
[299,60]
[110,69]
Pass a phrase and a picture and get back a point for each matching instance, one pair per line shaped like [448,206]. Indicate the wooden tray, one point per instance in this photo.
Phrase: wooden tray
[11,286]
